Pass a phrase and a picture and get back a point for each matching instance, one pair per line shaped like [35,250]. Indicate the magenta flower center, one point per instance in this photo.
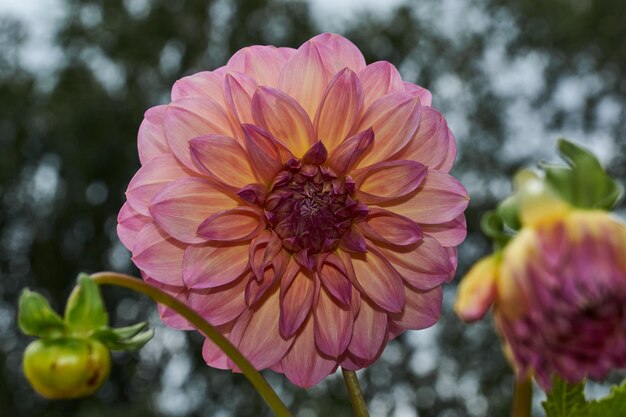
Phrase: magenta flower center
[310,207]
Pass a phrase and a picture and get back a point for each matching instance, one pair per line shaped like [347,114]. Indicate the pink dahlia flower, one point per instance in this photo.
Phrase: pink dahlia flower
[300,200]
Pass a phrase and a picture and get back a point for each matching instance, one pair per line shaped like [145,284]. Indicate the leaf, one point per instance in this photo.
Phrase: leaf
[36,317]
[613,405]
[492,226]
[85,310]
[509,213]
[564,399]
[125,338]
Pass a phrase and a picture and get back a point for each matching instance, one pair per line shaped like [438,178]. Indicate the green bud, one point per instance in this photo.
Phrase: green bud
[65,368]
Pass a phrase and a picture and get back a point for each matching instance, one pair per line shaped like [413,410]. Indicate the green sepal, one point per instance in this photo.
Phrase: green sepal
[508,210]
[85,311]
[36,318]
[613,405]
[584,183]
[124,338]
[563,399]
[493,227]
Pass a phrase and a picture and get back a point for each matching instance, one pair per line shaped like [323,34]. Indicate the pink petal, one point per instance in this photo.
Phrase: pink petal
[439,199]
[239,89]
[379,79]
[422,309]
[390,180]
[353,241]
[296,299]
[224,159]
[168,316]
[129,224]
[345,53]
[369,333]
[264,151]
[256,333]
[261,63]
[282,117]
[306,75]
[181,206]
[450,233]
[446,165]
[159,256]
[423,266]
[272,273]
[339,109]
[151,141]
[431,144]
[235,225]
[395,119]
[426,98]
[347,154]
[378,280]
[303,364]
[335,280]
[222,304]
[333,325]
[189,118]
[152,178]
[212,354]
[213,266]
[383,226]
[201,84]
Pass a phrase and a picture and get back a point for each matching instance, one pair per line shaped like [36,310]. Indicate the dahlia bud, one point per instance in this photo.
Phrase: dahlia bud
[558,286]
[72,357]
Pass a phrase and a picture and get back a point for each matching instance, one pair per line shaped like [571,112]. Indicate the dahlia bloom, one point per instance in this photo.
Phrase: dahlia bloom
[558,291]
[301,201]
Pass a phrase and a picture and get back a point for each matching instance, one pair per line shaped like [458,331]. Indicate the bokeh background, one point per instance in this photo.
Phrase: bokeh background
[76,76]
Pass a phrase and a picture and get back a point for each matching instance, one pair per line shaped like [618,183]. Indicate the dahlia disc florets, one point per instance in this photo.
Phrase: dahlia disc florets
[301,201]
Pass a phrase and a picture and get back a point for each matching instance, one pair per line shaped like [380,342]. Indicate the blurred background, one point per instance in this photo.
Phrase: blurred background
[76,76]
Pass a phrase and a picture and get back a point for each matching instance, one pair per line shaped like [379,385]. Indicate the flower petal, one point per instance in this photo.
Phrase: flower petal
[303,364]
[152,178]
[345,53]
[335,279]
[212,354]
[347,154]
[306,75]
[235,225]
[379,79]
[296,300]
[333,325]
[423,266]
[264,151]
[129,224]
[213,266]
[369,333]
[395,119]
[450,233]
[224,159]
[151,140]
[282,117]
[159,256]
[439,199]
[189,118]
[384,226]
[379,280]
[426,98]
[168,316]
[222,304]
[339,109]
[202,84]
[261,63]
[256,333]
[477,290]
[390,180]
[422,309]
[239,89]
[181,206]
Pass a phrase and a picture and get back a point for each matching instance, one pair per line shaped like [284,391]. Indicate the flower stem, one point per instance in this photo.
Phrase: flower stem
[356,396]
[159,296]
[522,398]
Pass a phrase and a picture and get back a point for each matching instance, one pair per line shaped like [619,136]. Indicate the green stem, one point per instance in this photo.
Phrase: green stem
[356,396]
[522,398]
[255,378]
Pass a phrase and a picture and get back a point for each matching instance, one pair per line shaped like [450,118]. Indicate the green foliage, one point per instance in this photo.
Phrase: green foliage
[125,338]
[85,311]
[36,317]
[565,400]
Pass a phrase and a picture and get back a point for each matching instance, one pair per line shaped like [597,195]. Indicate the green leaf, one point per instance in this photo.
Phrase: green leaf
[509,213]
[125,338]
[85,310]
[36,317]
[493,227]
[564,399]
[613,405]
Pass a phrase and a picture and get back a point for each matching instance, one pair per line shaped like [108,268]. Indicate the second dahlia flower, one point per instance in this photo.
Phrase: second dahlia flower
[301,201]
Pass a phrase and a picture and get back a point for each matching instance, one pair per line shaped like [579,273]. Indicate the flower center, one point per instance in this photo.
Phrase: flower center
[310,208]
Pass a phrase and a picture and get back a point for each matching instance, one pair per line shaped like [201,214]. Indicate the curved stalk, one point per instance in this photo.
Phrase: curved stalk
[522,398]
[356,395]
[161,297]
